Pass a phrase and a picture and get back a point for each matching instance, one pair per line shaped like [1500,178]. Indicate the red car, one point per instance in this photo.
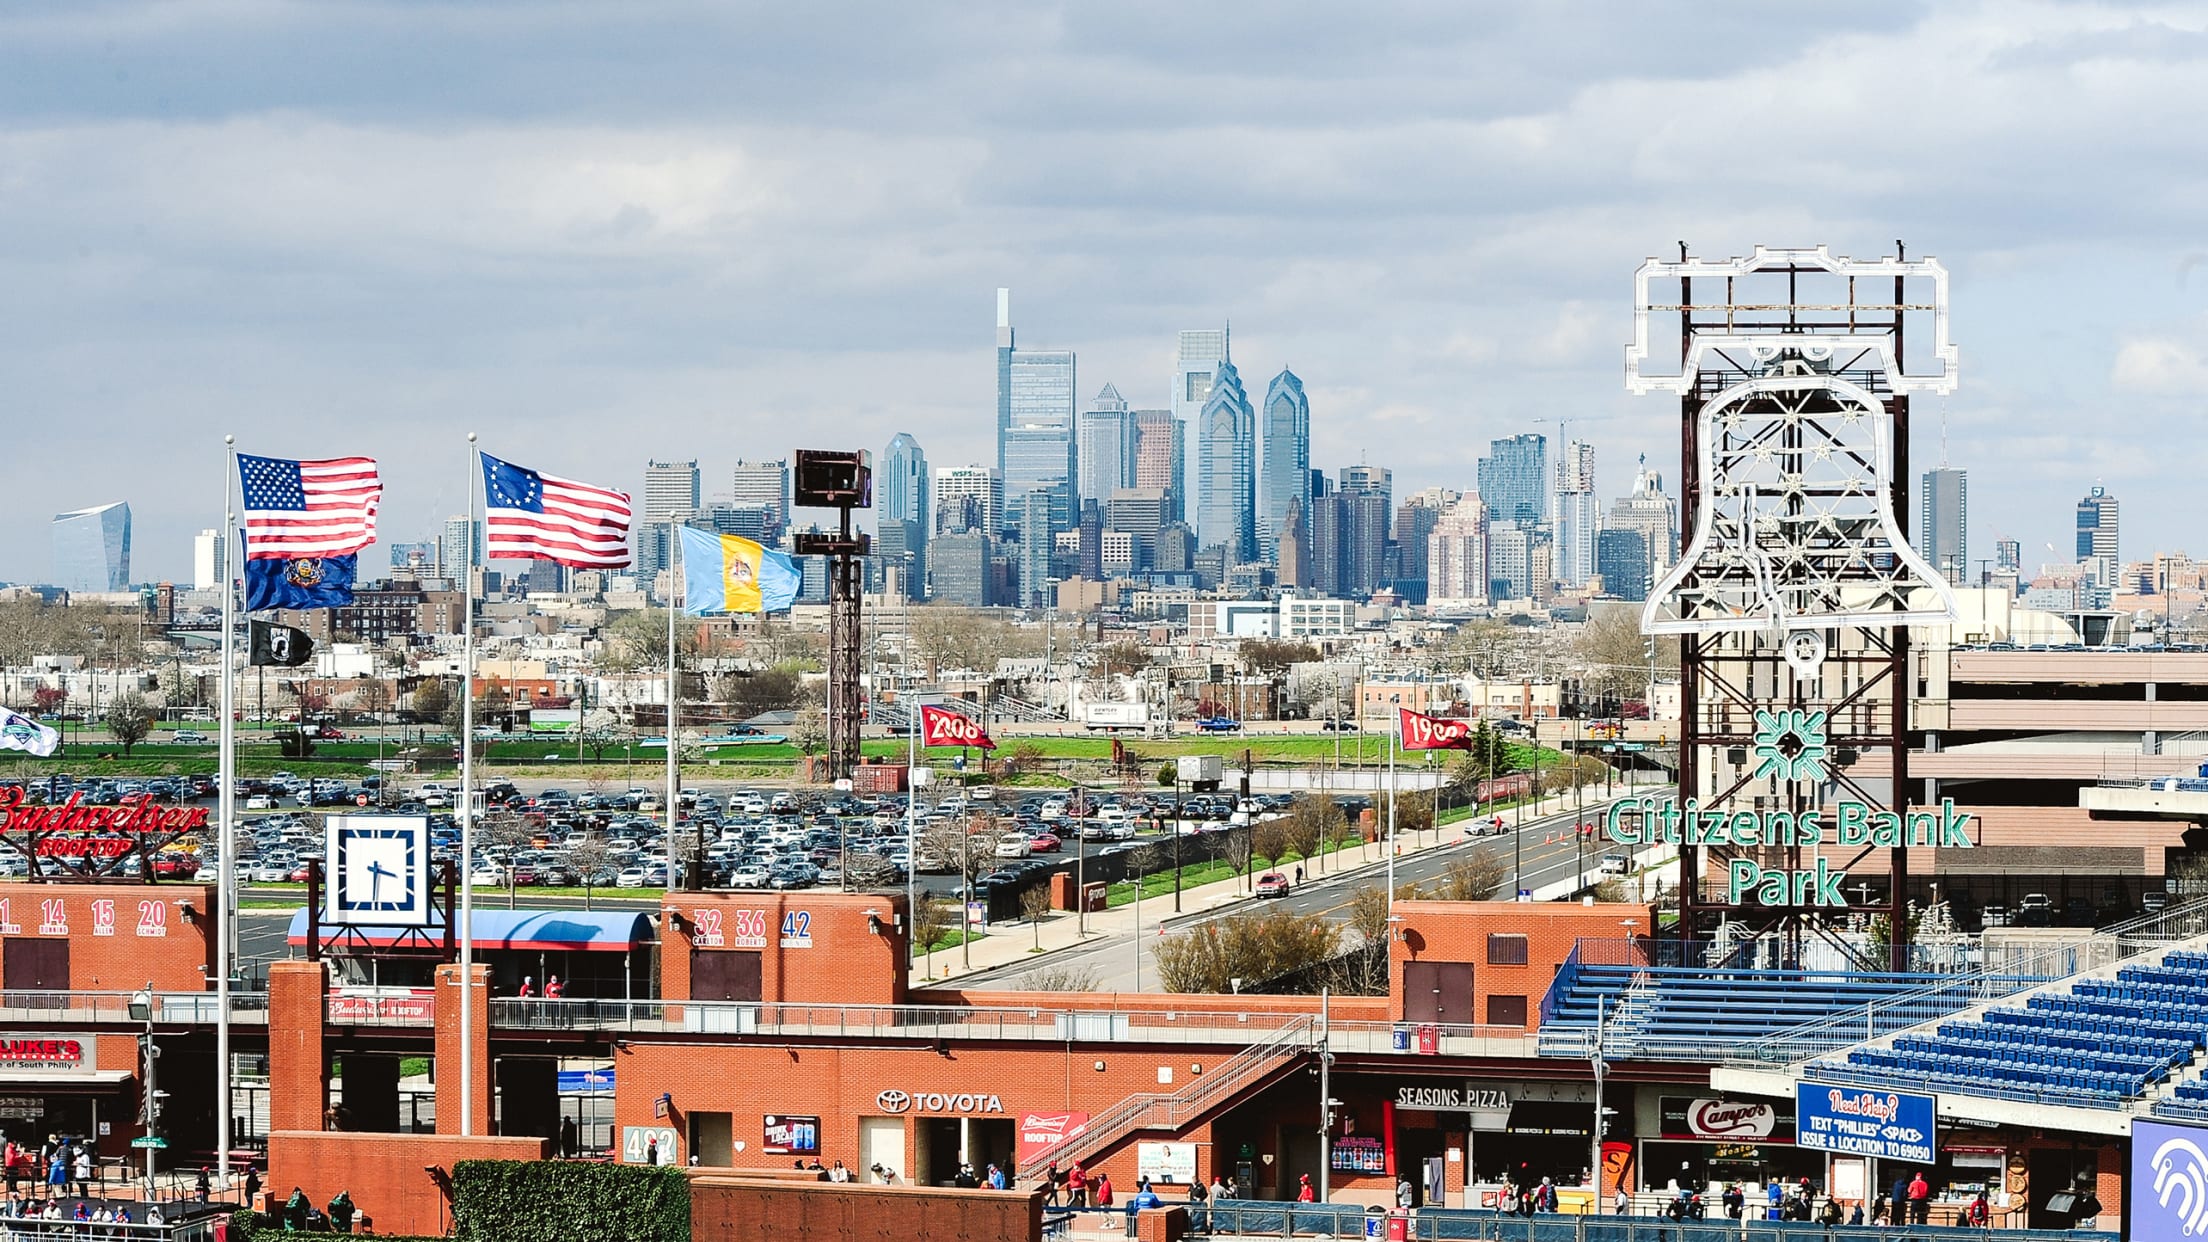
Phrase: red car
[1044,843]
[1272,884]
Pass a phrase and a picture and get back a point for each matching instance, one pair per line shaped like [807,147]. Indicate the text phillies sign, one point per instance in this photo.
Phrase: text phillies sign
[1423,732]
[940,726]
[1042,1133]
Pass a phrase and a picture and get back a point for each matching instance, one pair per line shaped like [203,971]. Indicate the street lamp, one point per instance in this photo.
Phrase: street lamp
[141,1010]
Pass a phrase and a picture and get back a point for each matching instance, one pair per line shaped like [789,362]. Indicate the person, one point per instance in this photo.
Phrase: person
[1196,1191]
[296,1209]
[57,1172]
[252,1184]
[1735,1200]
[1980,1212]
[1234,1189]
[122,1215]
[1544,1198]
[964,1179]
[996,1178]
[1219,1189]
[570,1137]
[1103,1190]
[1621,1202]
[8,1157]
[202,1184]
[1304,1193]
[1879,1209]
[528,987]
[1900,1199]
[839,1173]
[83,1165]
[553,988]
[154,1216]
[1831,1213]
[1299,875]
[1144,1197]
[1403,1193]
[1920,1200]
[1077,1186]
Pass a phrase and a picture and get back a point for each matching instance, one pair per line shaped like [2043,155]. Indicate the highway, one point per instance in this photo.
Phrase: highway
[1113,957]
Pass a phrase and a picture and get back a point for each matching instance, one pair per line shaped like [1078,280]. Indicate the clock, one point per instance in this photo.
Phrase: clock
[378,869]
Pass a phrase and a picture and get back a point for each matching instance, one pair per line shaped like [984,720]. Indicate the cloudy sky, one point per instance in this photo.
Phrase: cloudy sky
[602,232]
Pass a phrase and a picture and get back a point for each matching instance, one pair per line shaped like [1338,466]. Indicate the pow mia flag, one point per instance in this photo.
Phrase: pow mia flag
[278,645]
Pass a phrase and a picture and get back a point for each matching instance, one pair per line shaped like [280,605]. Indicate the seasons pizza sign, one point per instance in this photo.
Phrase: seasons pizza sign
[79,840]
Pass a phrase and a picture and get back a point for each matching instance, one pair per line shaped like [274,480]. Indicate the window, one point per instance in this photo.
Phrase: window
[1506,950]
[1506,1010]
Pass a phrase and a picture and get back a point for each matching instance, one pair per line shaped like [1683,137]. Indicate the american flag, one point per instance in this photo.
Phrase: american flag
[531,514]
[308,508]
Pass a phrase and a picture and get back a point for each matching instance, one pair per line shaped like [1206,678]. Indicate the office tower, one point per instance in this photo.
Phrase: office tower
[1514,480]
[1104,446]
[1089,541]
[968,498]
[209,550]
[1575,514]
[1293,571]
[2097,536]
[1195,370]
[1942,536]
[898,558]
[408,560]
[763,485]
[1369,481]
[1456,556]
[1415,520]
[1034,550]
[454,547]
[753,522]
[1035,403]
[1364,543]
[1621,558]
[1176,548]
[92,548]
[1226,474]
[1161,457]
[901,484]
[1652,513]
[1139,512]
[959,568]
[1285,478]
[1329,537]
[1116,554]
[2008,554]
[672,489]
[1519,562]
[543,577]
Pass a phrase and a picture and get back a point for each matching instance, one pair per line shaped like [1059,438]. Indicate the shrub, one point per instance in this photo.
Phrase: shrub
[562,1200]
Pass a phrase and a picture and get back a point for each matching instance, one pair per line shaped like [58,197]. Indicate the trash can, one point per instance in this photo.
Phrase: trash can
[1376,1223]
[1402,1039]
[1399,1227]
[1429,1040]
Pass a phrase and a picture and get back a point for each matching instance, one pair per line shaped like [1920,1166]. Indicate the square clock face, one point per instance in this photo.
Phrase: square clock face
[378,868]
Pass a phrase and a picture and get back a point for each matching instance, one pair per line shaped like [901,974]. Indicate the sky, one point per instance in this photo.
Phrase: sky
[601,233]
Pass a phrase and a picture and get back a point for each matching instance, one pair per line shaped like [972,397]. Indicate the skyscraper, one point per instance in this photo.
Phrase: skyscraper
[1161,458]
[2097,536]
[1364,543]
[901,485]
[453,547]
[672,489]
[1286,475]
[1035,401]
[1652,513]
[1362,480]
[1514,480]
[1621,557]
[1293,567]
[1415,520]
[1104,446]
[1456,556]
[968,498]
[1036,544]
[92,548]
[1139,512]
[763,485]
[208,550]
[1226,475]
[1942,536]
[1195,368]
[1578,515]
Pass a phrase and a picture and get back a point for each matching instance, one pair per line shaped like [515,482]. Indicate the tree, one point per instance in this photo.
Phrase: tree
[1271,657]
[1490,755]
[505,829]
[1059,978]
[767,690]
[431,699]
[1611,653]
[1244,950]
[1236,846]
[965,638]
[930,922]
[1034,904]
[1269,840]
[1023,757]
[1414,811]
[1123,658]
[49,699]
[129,720]
[589,857]
[1308,823]
[810,731]
[1364,970]
[1477,876]
[638,641]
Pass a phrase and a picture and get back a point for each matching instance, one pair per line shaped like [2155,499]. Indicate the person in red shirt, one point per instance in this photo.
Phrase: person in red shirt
[1920,1200]
[1103,1190]
[553,988]
[1077,1186]
[1304,1193]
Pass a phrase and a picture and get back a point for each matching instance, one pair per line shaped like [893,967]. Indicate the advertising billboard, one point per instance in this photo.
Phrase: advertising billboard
[1863,1121]
[2169,1182]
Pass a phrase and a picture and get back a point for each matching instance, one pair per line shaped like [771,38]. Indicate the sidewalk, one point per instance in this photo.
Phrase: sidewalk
[1013,944]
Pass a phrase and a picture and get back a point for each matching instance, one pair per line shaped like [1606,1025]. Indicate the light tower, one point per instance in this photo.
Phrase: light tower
[843,481]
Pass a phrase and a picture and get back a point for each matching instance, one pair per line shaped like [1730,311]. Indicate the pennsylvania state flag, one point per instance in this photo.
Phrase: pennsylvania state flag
[729,573]
[299,582]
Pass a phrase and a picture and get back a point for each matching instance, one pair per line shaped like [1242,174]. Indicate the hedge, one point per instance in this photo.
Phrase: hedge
[254,1227]
[568,1200]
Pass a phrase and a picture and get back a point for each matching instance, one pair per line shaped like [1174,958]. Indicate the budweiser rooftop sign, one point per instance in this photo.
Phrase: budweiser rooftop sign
[86,841]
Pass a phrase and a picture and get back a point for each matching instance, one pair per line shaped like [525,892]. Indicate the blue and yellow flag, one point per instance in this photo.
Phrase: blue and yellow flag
[729,573]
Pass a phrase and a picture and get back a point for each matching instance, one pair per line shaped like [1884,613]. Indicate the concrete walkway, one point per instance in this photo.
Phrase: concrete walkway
[1013,944]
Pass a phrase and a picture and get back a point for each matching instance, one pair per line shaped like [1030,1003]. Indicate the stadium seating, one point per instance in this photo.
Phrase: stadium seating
[2093,1042]
[1655,1009]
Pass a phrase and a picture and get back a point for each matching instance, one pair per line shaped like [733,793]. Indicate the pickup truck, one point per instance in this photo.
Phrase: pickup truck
[1219,724]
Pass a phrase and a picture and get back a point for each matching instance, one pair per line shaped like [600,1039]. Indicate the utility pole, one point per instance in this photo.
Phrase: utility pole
[1594,1162]
[1327,1102]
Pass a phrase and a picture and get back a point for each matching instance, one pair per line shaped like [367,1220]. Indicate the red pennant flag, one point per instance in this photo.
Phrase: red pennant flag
[940,726]
[1423,732]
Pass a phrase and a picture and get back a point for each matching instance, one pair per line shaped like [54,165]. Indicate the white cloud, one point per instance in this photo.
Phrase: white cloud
[2161,366]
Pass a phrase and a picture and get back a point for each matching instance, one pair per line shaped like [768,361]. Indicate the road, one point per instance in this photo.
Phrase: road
[1122,962]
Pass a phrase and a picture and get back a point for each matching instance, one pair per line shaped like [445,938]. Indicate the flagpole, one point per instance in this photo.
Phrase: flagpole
[1393,794]
[674,584]
[225,825]
[912,789]
[467,804]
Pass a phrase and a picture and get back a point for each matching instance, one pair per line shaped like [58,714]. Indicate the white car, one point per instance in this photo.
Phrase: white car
[268,873]
[1013,847]
[1053,809]
[630,877]
[260,802]
[747,877]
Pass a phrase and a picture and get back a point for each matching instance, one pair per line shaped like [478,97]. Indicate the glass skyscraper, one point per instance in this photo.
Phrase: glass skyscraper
[1195,367]
[1105,446]
[2097,549]
[1226,468]
[1514,480]
[92,549]
[1943,524]
[1035,400]
[1286,475]
[901,485]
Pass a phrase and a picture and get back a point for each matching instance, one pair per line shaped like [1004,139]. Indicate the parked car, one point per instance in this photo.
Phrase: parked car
[1272,884]
[1219,724]
[1010,846]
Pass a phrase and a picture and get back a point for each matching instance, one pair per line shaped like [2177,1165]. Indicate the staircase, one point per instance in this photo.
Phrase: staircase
[1253,1067]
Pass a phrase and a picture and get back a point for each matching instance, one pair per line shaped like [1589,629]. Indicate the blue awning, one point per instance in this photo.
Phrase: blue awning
[615,931]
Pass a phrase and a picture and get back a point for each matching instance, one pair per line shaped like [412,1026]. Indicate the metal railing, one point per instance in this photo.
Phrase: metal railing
[19,1005]
[1253,1218]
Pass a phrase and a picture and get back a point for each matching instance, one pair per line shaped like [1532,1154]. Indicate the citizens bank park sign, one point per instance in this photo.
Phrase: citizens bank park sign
[82,842]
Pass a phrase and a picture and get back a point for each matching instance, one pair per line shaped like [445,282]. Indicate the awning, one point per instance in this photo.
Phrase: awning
[1559,1117]
[537,930]
[31,1083]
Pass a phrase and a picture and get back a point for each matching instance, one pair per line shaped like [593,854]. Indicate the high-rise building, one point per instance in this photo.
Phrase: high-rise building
[901,484]
[1139,512]
[1226,474]
[1519,562]
[209,549]
[968,498]
[1285,478]
[1456,556]
[1035,420]
[1161,458]
[1364,543]
[1653,514]
[92,548]
[671,488]
[1176,548]
[456,550]
[2097,536]
[1575,514]
[1942,536]
[2008,554]
[1104,446]
[1293,570]
[1195,369]
[899,555]
[1514,480]
[763,485]
[959,568]
[1329,539]
[1035,548]
[1369,481]
[1621,557]
[408,560]
[1415,519]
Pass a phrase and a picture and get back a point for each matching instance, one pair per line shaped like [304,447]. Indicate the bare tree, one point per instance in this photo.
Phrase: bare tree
[588,857]
[504,828]
[930,921]
[1236,845]
[1244,950]
[1034,904]
[129,720]
[1477,876]
[1063,977]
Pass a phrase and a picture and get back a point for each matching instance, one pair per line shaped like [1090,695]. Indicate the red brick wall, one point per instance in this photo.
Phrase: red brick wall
[120,935]
[845,965]
[450,1050]
[771,1211]
[1342,1008]
[1457,931]
[384,1173]
[298,1063]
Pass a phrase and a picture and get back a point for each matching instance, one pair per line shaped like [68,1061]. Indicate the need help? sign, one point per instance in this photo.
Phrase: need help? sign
[1860,1121]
